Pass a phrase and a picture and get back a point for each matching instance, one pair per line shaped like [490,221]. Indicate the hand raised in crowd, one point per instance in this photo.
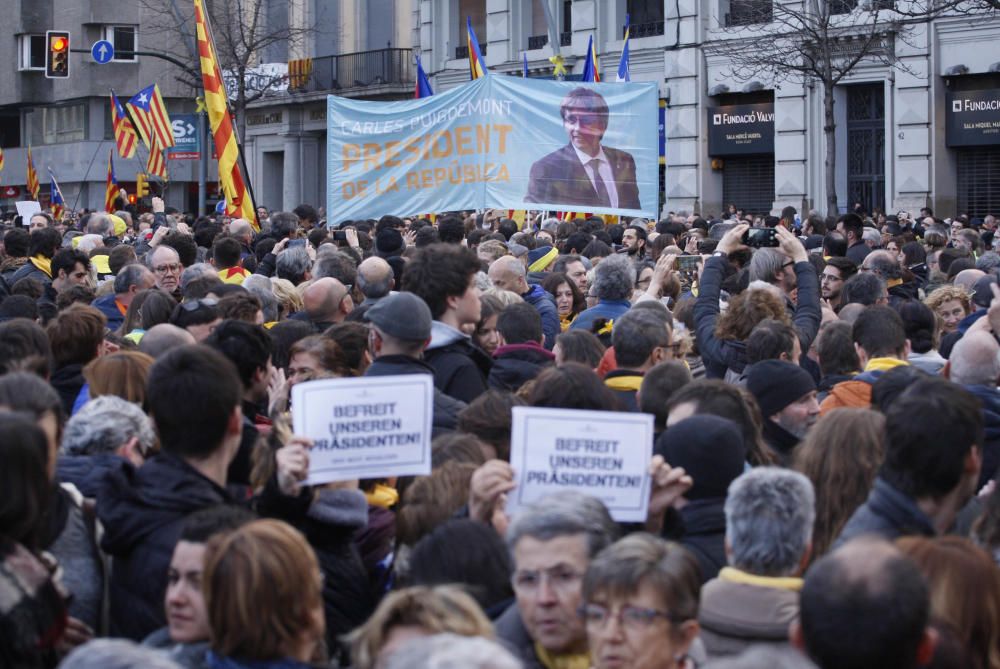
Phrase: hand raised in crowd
[790,245]
[733,239]
[668,484]
[352,238]
[292,462]
[158,236]
[158,205]
[488,488]
[280,246]
[664,266]
[277,391]
[410,237]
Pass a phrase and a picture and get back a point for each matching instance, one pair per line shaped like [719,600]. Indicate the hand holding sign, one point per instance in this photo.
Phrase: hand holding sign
[362,429]
[292,461]
[487,488]
[669,483]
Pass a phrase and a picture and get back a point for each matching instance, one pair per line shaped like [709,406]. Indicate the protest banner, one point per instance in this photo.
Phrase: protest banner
[603,454]
[496,142]
[362,428]
[26,209]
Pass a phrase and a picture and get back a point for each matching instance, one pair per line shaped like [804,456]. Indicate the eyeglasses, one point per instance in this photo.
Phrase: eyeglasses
[829,277]
[195,305]
[787,264]
[561,579]
[632,618]
[172,268]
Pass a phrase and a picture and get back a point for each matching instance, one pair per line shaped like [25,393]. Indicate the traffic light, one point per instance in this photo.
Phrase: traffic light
[57,54]
[141,185]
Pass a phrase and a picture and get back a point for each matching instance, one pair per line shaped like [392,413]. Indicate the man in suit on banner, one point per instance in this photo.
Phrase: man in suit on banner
[583,172]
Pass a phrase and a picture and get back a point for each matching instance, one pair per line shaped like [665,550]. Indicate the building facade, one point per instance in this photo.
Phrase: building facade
[919,126]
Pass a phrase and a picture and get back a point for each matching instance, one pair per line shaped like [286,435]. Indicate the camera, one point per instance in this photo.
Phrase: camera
[340,235]
[292,243]
[761,237]
[688,263]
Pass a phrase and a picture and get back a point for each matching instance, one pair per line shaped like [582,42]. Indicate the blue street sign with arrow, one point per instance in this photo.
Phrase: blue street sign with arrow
[102,51]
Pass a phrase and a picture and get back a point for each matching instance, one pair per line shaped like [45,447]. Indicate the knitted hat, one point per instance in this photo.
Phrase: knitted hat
[402,315]
[388,243]
[776,384]
[540,258]
[709,448]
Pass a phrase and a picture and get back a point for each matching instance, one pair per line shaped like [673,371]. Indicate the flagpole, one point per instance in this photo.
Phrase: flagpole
[86,175]
[239,140]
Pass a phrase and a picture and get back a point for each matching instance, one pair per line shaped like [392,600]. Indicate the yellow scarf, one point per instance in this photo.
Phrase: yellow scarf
[632,382]
[781,582]
[544,261]
[549,661]
[884,364]
[44,264]
[382,496]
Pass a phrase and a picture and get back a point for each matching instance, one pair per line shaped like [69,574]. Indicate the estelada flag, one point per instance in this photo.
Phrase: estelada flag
[590,69]
[111,188]
[156,166]
[126,138]
[151,118]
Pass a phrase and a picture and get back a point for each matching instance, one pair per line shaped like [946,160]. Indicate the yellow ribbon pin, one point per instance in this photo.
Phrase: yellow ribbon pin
[558,61]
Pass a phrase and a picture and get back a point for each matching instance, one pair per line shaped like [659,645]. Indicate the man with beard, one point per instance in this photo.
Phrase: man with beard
[831,281]
[786,394]
[634,241]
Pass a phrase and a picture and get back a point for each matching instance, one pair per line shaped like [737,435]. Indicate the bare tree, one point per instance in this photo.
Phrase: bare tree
[243,36]
[821,42]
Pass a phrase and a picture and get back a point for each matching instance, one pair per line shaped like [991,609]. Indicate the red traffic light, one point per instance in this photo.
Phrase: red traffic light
[59,43]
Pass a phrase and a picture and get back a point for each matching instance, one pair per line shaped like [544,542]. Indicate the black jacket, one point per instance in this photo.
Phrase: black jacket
[560,178]
[143,511]
[989,397]
[888,513]
[460,367]
[780,441]
[445,408]
[702,531]
[516,364]
[68,380]
[329,525]
[720,355]
[87,471]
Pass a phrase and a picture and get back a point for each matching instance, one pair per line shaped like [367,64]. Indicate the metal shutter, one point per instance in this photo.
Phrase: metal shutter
[748,182]
[979,181]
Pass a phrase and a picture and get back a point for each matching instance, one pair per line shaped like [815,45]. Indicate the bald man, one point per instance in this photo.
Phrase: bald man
[161,338]
[509,273]
[375,279]
[327,302]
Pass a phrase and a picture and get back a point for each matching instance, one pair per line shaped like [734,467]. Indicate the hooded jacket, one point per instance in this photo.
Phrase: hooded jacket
[857,393]
[460,367]
[546,308]
[738,610]
[516,364]
[445,408]
[87,471]
[108,305]
[143,511]
[702,530]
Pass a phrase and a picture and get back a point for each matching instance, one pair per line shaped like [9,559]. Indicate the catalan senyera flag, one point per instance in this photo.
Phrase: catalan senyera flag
[1,160]
[156,166]
[623,73]
[423,88]
[299,71]
[477,67]
[126,138]
[150,117]
[590,68]
[56,200]
[239,203]
[111,188]
[33,185]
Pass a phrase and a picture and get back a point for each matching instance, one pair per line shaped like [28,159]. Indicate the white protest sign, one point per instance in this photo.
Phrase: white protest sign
[603,454]
[26,209]
[367,427]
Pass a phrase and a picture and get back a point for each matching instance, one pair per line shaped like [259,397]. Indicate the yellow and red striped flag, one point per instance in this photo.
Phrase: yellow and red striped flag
[111,189]
[126,138]
[33,185]
[151,118]
[156,166]
[239,203]
[1,160]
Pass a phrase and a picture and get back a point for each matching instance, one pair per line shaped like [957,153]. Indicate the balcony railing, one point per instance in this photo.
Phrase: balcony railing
[363,69]
[537,41]
[566,39]
[749,12]
[463,51]
[650,29]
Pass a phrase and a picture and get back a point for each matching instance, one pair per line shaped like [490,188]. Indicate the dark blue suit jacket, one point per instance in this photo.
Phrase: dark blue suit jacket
[560,178]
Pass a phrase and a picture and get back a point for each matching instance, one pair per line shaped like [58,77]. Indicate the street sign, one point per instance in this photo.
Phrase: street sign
[102,51]
[187,143]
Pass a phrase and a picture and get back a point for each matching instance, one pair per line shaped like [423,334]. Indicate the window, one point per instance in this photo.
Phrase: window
[57,125]
[749,12]
[32,52]
[123,39]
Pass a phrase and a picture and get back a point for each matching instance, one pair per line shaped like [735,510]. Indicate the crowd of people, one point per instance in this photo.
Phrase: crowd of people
[822,494]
